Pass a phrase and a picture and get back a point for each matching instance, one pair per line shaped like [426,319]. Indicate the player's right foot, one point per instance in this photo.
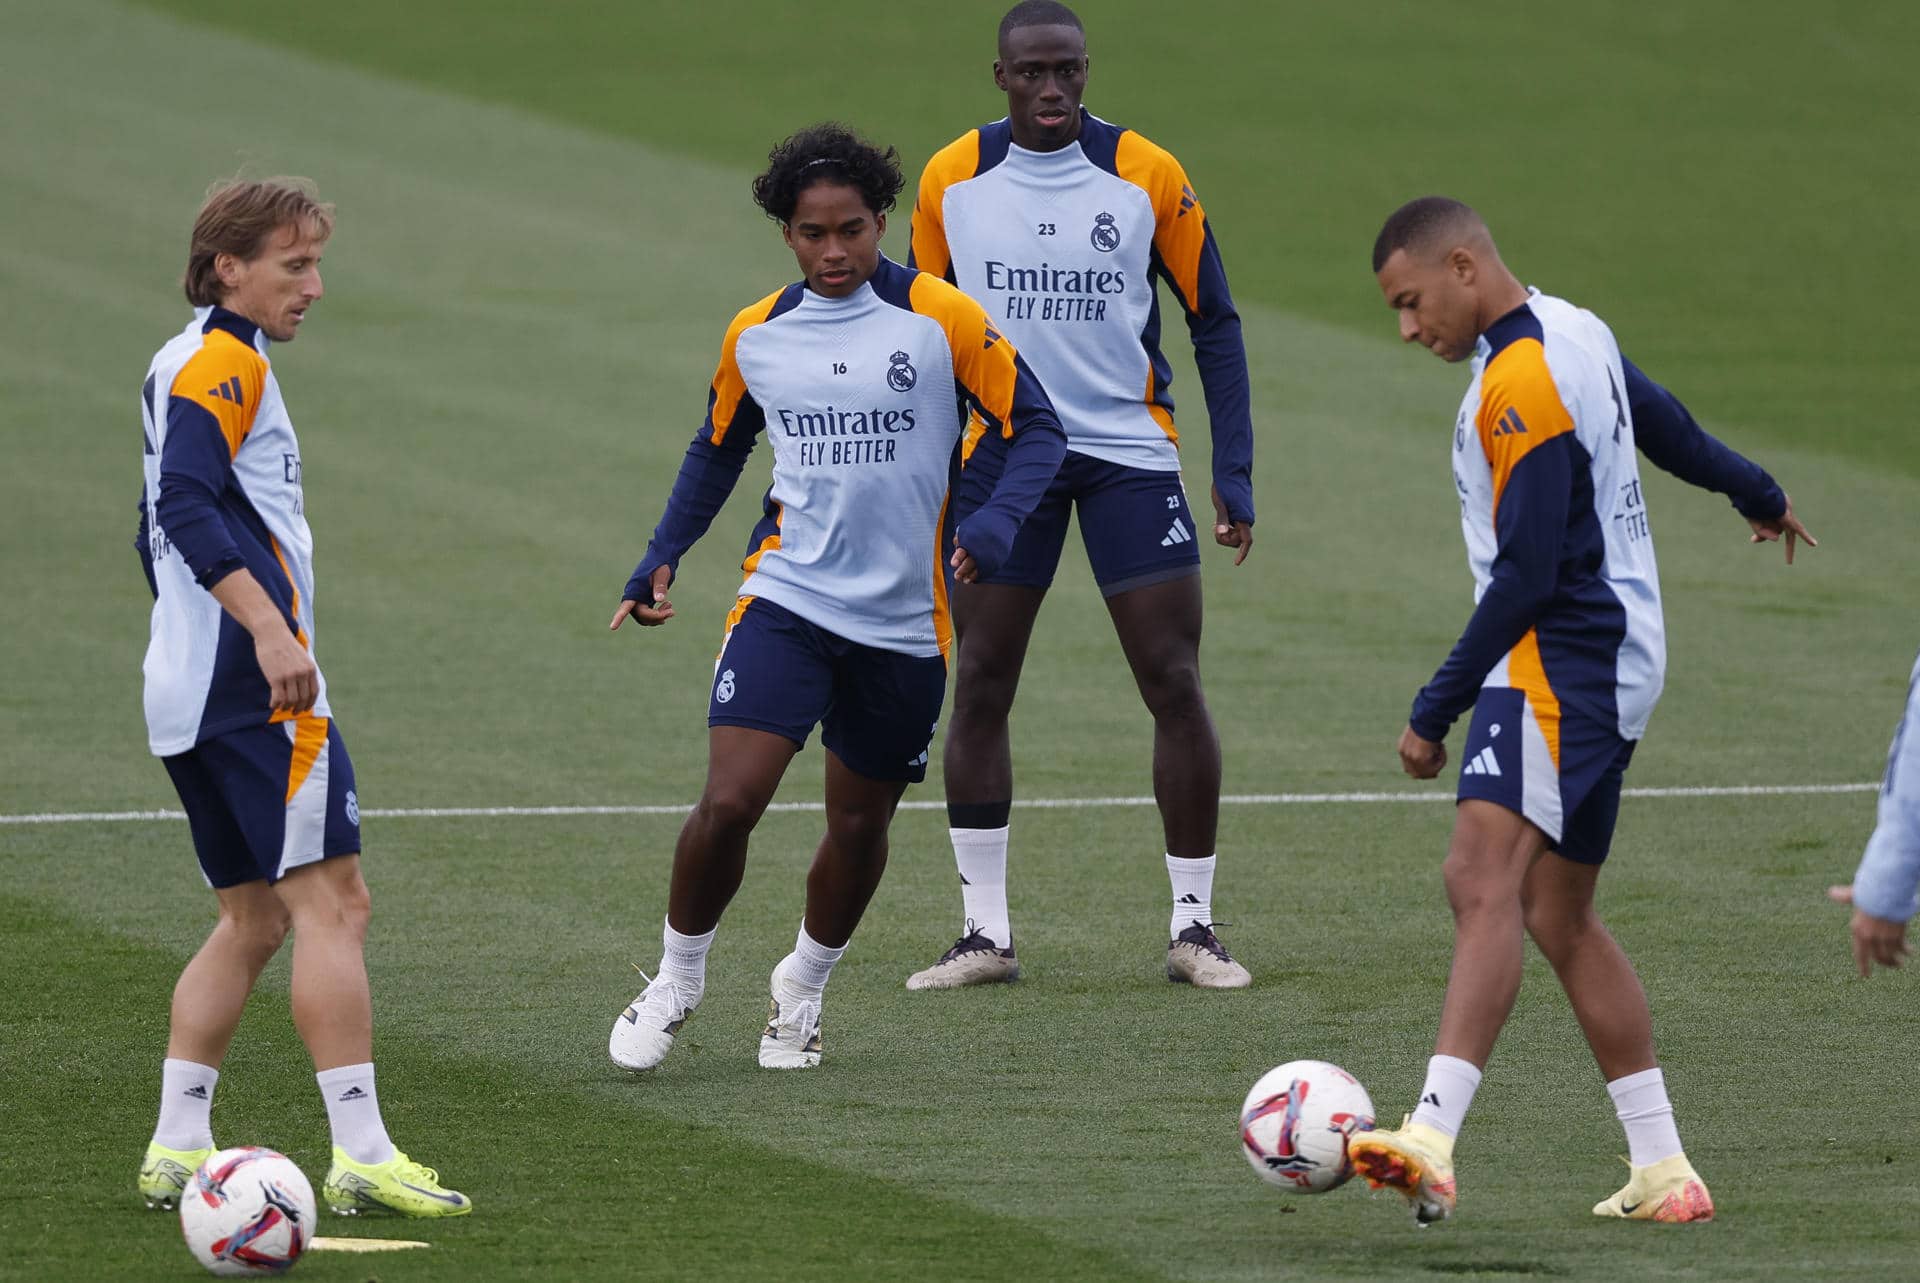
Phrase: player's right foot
[643,1035]
[397,1185]
[974,960]
[1417,1160]
[1669,1190]
[791,1039]
[164,1174]
[1196,957]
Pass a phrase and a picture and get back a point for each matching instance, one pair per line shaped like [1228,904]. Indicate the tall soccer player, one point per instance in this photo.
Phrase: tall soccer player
[237,708]
[1886,889]
[1561,663]
[1064,226]
[855,375]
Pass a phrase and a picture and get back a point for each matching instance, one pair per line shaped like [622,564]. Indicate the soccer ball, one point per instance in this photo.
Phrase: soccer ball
[1296,1121]
[247,1211]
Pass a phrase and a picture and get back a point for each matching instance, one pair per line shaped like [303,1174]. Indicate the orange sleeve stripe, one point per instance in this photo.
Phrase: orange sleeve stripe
[1179,224]
[983,359]
[309,737]
[1520,409]
[226,378]
[729,385]
[954,163]
[1527,673]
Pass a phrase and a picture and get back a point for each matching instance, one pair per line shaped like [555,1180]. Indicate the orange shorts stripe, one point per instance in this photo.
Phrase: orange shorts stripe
[309,737]
[1526,673]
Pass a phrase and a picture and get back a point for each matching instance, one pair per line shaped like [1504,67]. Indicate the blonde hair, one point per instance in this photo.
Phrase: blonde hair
[238,216]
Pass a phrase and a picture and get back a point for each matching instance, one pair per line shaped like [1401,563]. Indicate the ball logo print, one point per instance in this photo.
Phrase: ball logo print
[724,691]
[247,1211]
[901,375]
[1295,1124]
[1105,236]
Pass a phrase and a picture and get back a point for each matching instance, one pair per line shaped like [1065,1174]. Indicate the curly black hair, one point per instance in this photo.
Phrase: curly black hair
[827,152]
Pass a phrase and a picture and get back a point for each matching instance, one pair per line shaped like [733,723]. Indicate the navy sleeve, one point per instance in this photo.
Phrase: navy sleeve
[707,476]
[1531,525]
[1220,355]
[195,469]
[143,544]
[1033,457]
[1668,436]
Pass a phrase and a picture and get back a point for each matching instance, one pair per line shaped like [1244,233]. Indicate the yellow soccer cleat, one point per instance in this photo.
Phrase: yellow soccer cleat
[1417,1160]
[1669,1190]
[398,1185]
[164,1174]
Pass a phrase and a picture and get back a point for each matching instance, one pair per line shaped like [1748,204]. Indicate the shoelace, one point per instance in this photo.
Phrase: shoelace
[418,1173]
[803,1015]
[972,942]
[655,984]
[1201,934]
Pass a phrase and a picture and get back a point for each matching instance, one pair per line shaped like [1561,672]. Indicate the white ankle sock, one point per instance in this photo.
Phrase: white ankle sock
[1192,893]
[981,855]
[683,958]
[186,1105]
[353,1111]
[810,964]
[1449,1089]
[1640,1102]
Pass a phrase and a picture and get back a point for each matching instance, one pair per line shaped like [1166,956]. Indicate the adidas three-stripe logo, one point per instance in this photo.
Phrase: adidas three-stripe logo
[1510,424]
[1177,534]
[1483,763]
[229,391]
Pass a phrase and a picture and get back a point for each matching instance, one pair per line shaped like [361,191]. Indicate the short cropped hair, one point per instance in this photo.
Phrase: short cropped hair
[1039,13]
[238,216]
[827,152]
[1416,225]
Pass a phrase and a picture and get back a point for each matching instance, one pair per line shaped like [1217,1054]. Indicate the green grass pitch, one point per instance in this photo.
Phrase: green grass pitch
[544,227]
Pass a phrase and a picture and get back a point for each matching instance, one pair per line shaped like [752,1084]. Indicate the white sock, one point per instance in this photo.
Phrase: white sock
[353,1111]
[1449,1089]
[684,960]
[810,964]
[981,855]
[186,1105]
[1640,1102]
[1192,893]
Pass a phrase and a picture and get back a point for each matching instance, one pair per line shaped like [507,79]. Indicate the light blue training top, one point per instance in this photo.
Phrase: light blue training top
[1889,874]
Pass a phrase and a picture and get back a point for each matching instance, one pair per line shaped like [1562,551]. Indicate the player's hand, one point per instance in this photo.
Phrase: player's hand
[1421,758]
[965,569]
[1786,528]
[1874,939]
[293,680]
[1229,533]
[648,616]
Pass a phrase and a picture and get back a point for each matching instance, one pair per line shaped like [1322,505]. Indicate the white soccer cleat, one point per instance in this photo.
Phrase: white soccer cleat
[791,1039]
[973,960]
[643,1035]
[1196,957]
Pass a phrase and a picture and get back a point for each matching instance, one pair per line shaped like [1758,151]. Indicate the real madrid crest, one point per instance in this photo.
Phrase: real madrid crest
[900,375]
[1105,237]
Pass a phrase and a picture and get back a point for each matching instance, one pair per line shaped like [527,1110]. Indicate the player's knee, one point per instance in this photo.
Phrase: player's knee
[260,931]
[728,813]
[1473,889]
[859,832]
[1172,691]
[984,693]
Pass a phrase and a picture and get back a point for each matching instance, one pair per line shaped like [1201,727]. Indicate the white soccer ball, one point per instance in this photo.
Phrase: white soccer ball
[247,1211]
[1296,1121]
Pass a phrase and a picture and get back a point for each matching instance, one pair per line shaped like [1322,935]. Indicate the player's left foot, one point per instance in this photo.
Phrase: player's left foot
[397,1185]
[164,1174]
[1196,957]
[1417,1160]
[791,1039]
[1669,1190]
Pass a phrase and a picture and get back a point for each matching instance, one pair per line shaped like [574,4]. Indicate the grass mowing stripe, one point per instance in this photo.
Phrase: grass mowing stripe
[570,1176]
[1037,804]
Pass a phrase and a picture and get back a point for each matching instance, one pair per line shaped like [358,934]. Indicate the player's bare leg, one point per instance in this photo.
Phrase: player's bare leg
[744,767]
[1487,863]
[207,1004]
[1159,630]
[846,871]
[993,624]
[212,990]
[332,1005]
[1611,1006]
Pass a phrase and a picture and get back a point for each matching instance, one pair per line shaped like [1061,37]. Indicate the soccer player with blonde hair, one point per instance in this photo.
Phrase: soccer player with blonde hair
[237,707]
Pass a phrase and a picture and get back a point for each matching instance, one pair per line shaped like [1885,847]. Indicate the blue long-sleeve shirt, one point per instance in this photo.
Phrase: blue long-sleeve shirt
[1887,884]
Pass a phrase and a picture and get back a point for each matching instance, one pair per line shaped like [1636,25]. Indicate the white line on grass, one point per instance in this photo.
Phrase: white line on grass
[1036,803]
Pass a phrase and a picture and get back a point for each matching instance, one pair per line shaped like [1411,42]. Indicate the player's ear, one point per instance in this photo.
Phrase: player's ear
[786,234]
[1000,75]
[1463,265]
[879,224]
